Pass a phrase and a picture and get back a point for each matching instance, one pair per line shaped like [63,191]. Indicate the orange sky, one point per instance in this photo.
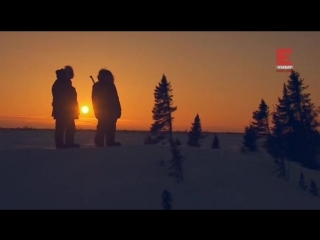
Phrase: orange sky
[220,75]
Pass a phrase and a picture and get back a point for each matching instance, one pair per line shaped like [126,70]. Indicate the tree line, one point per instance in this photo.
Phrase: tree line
[288,132]
[293,134]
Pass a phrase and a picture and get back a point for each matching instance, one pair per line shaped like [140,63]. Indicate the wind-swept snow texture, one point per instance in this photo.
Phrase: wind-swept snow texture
[34,175]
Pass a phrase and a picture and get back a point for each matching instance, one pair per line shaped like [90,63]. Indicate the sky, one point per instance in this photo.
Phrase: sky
[222,76]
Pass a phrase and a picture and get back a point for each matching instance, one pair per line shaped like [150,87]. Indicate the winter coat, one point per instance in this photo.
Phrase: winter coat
[65,104]
[105,101]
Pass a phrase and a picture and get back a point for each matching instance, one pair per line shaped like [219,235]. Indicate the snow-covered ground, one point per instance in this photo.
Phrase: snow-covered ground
[34,175]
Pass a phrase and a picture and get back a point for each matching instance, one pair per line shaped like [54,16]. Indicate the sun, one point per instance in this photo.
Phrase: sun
[85,109]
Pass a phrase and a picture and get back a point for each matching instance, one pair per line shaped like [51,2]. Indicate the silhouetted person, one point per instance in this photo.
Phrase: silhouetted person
[65,108]
[107,108]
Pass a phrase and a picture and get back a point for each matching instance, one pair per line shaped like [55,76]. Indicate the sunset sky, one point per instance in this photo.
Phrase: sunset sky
[220,75]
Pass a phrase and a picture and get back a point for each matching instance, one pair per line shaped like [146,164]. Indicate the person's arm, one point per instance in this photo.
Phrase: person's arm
[76,104]
[57,94]
[118,105]
[95,100]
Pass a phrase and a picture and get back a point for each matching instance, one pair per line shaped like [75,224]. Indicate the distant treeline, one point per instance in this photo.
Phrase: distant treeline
[89,130]
[147,131]
[17,128]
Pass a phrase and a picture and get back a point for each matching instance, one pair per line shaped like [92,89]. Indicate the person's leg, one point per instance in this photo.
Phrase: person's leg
[99,137]
[70,132]
[59,132]
[111,133]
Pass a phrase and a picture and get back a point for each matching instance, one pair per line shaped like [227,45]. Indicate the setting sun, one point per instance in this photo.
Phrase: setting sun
[85,109]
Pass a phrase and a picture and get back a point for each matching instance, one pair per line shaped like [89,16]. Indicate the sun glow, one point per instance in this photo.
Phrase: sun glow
[85,109]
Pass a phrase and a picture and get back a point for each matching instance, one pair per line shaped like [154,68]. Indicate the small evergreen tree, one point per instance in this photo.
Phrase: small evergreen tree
[281,167]
[261,120]
[302,183]
[176,163]
[166,200]
[195,134]
[313,188]
[162,110]
[215,143]
[250,138]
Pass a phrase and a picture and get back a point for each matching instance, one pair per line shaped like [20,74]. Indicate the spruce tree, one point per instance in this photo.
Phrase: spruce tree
[176,163]
[313,188]
[166,200]
[250,138]
[305,137]
[280,167]
[195,134]
[275,144]
[281,118]
[261,119]
[215,143]
[302,183]
[294,134]
[162,111]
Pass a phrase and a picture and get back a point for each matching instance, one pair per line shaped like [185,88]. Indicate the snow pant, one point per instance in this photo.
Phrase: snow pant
[64,132]
[106,130]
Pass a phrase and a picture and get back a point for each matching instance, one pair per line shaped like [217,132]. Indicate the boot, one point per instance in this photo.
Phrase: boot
[113,144]
[58,137]
[60,145]
[70,138]
[111,135]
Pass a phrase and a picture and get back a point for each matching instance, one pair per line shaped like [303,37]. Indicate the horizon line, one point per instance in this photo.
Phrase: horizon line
[120,130]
